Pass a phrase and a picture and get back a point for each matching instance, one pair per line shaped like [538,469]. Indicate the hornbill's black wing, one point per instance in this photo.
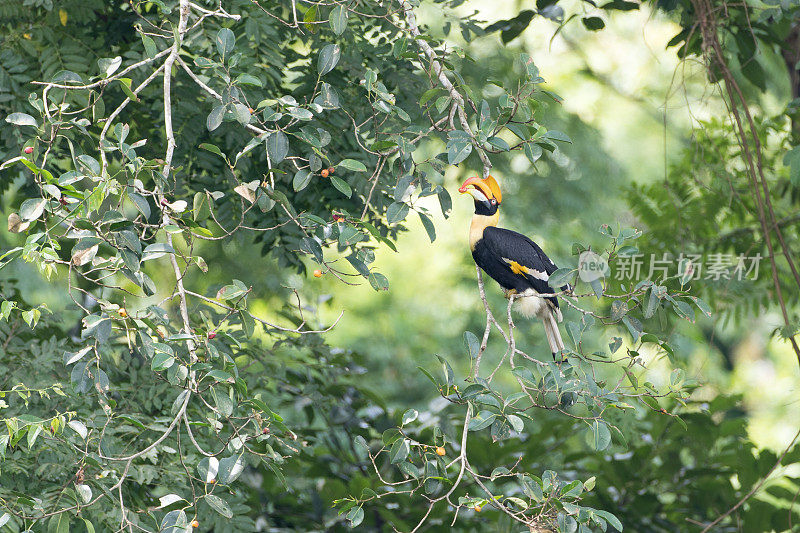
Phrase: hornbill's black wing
[523,257]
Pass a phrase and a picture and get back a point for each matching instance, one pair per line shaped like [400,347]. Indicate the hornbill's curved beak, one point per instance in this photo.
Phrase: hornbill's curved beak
[487,186]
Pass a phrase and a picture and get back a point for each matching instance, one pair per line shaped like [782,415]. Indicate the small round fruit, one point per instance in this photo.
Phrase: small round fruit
[211,334]
[477,508]
[440,451]
[28,149]
[265,431]
[195,523]
[251,110]
[164,201]
[324,173]
[331,170]
[318,273]
[122,312]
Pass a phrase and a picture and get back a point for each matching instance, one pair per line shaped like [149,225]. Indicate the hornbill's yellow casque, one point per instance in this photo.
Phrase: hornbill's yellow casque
[513,260]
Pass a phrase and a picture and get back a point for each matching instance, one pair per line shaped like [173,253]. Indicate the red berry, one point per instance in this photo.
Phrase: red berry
[324,173]
[28,149]
[212,334]
[331,170]
[164,201]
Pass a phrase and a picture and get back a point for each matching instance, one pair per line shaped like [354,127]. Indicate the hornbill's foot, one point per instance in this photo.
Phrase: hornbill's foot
[509,293]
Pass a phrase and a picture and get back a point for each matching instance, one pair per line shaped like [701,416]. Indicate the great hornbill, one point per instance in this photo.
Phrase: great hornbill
[513,260]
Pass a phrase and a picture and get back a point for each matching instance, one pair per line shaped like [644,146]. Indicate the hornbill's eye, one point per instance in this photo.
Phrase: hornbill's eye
[493,201]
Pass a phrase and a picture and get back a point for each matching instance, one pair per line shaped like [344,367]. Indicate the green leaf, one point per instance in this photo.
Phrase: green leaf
[174,522]
[214,119]
[610,518]
[615,343]
[378,281]
[242,113]
[156,250]
[248,323]
[109,66]
[33,432]
[399,451]
[150,49]
[634,327]
[427,223]
[222,401]
[32,209]
[355,516]
[313,247]
[516,423]
[219,505]
[162,361]
[301,179]
[338,19]
[533,152]
[430,93]
[601,436]
[409,416]
[481,420]
[499,143]
[59,523]
[301,113]
[277,146]
[349,236]
[683,310]
[593,23]
[791,160]
[21,119]
[445,202]
[352,164]
[270,115]
[341,186]
[141,204]
[458,149]
[396,212]
[328,97]
[309,18]
[472,344]
[618,309]
[703,306]
[225,42]
[125,83]
[248,79]
[328,58]
[560,277]
[652,303]
[532,488]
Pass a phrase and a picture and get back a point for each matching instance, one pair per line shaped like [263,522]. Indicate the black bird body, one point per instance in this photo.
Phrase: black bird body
[513,260]
[501,253]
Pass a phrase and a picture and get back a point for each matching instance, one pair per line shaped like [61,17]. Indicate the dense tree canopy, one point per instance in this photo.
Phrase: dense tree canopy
[193,188]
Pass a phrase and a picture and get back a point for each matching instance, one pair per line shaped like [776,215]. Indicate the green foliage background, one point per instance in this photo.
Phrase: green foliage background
[301,421]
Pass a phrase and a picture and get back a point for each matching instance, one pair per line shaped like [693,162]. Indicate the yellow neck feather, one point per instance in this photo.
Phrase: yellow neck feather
[478,224]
